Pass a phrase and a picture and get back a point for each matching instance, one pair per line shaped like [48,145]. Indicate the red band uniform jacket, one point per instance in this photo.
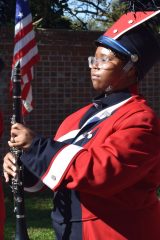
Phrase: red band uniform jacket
[104,168]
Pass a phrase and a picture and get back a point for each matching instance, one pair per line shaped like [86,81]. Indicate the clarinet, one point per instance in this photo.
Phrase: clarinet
[17,181]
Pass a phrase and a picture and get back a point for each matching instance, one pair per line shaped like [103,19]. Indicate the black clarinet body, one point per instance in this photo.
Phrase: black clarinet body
[17,181]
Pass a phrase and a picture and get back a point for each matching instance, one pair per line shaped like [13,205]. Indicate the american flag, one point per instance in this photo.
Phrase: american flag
[25,51]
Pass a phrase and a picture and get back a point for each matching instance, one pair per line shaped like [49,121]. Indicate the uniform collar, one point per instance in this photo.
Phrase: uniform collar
[106,100]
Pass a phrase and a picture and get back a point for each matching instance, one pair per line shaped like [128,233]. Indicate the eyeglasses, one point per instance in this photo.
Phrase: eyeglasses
[101,63]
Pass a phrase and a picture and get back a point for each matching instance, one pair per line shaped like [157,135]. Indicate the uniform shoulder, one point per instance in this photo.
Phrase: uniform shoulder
[137,112]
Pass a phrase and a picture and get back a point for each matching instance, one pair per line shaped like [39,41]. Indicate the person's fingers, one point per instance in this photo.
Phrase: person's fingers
[20,137]
[12,139]
[14,144]
[17,126]
[9,172]
[20,144]
[6,176]
[16,130]
[7,165]
[9,169]
[9,157]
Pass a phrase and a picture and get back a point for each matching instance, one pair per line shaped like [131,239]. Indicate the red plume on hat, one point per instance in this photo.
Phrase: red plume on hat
[136,35]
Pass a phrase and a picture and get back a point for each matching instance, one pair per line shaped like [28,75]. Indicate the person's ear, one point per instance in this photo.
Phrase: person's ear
[132,72]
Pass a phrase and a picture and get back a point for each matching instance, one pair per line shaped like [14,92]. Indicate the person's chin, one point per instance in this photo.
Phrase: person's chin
[98,88]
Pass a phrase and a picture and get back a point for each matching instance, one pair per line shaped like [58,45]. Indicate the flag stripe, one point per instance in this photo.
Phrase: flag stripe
[22,33]
[25,51]
[23,23]
[23,42]
[26,90]
[28,57]
[27,77]
[29,64]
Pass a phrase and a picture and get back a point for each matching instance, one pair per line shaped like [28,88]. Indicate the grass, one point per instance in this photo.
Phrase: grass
[38,209]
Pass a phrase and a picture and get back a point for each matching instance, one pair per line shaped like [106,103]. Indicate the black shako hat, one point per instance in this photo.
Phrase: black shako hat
[135,35]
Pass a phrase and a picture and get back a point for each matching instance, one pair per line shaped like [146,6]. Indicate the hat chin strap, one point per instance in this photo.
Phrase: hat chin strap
[130,63]
[128,66]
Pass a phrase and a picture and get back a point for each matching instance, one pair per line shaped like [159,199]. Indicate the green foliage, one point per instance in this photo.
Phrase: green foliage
[46,14]
[115,12]
[7,11]
[50,14]
[95,15]
[66,14]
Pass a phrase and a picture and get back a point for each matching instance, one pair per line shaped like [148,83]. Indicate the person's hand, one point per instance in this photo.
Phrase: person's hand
[21,136]
[9,168]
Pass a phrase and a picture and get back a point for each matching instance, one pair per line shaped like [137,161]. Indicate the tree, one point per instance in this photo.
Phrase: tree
[46,14]
[95,14]
[2,10]
[80,14]
[50,13]
[6,11]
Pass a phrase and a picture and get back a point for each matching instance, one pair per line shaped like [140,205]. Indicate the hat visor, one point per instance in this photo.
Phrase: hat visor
[112,44]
